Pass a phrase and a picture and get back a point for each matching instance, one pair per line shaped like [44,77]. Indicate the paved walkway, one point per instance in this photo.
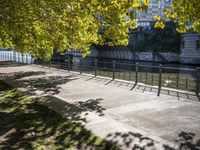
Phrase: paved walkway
[134,119]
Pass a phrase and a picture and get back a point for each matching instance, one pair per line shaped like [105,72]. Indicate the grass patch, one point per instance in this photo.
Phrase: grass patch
[27,124]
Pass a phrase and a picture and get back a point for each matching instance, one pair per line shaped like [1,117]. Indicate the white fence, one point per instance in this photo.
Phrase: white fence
[15,56]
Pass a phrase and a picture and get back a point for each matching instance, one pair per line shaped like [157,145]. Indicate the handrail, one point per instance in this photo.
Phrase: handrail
[161,76]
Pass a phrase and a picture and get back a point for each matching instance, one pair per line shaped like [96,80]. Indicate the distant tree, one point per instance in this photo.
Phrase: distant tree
[160,40]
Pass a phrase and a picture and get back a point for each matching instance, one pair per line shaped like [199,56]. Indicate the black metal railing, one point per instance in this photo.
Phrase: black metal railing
[157,75]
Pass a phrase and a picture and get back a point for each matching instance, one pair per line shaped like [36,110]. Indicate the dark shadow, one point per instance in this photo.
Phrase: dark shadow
[145,88]
[109,82]
[89,78]
[30,125]
[19,75]
[62,107]
[188,141]
[11,64]
[92,105]
[133,86]
[130,140]
[198,96]
[41,84]
[50,85]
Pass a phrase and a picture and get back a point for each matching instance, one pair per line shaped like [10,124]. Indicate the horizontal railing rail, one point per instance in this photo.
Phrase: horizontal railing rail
[187,79]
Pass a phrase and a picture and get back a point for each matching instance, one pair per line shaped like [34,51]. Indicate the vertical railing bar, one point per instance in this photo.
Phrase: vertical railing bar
[69,59]
[186,83]
[197,80]
[136,72]
[43,62]
[113,77]
[146,77]
[58,62]
[177,81]
[81,65]
[160,80]
[95,68]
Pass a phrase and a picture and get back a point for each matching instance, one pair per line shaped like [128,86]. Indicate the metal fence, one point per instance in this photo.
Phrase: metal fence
[161,76]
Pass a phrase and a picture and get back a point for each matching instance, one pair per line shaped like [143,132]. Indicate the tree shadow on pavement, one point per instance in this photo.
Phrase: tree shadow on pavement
[49,85]
[25,123]
[37,82]
[130,140]
[92,105]
[187,140]
[11,64]
[143,88]
[19,75]
[76,111]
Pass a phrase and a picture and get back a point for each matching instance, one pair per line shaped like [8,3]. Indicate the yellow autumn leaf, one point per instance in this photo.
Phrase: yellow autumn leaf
[157,17]
[159,24]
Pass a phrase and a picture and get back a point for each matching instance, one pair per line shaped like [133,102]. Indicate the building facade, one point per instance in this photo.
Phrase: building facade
[190,48]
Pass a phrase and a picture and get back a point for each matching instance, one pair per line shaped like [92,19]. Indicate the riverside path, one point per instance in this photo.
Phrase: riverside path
[134,118]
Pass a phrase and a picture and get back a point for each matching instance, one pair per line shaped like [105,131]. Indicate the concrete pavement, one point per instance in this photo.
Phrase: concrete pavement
[134,119]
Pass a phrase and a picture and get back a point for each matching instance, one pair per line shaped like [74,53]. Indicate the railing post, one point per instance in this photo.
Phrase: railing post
[31,59]
[49,63]
[13,56]
[27,58]
[9,54]
[177,81]
[197,83]
[22,58]
[18,58]
[37,62]
[113,70]
[69,63]
[152,79]
[160,80]
[186,83]
[58,62]
[146,77]
[81,65]
[95,67]
[136,72]
[43,62]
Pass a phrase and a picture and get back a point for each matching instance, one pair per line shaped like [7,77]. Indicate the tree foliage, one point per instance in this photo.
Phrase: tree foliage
[185,13]
[37,26]
[158,40]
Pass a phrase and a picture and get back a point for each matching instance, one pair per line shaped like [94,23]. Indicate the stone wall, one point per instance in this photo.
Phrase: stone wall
[160,57]
[126,54]
[190,52]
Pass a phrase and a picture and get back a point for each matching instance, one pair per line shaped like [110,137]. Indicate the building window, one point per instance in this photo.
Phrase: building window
[198,44]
